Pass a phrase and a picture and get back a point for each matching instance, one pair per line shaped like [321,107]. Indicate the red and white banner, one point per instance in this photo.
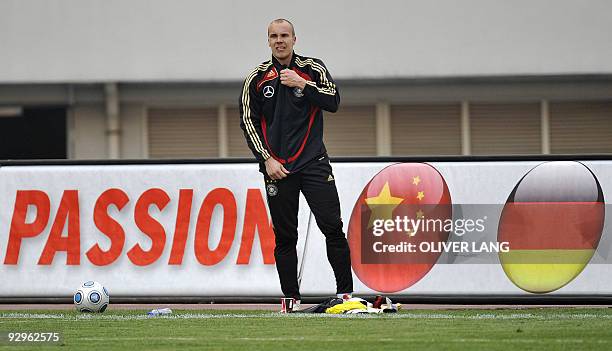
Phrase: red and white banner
[204,230]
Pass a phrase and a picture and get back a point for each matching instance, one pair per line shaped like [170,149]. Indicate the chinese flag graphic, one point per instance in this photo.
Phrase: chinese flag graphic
[405,190]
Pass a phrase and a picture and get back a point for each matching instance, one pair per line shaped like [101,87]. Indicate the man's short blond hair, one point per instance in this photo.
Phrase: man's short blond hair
[282,20]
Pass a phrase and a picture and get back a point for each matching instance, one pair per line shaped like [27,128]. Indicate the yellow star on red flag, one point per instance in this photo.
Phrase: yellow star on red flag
[382,205]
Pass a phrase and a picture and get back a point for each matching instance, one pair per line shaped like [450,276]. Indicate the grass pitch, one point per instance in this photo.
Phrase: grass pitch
[537,329]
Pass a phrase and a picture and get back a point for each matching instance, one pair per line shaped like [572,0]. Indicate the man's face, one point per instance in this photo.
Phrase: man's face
[281,40]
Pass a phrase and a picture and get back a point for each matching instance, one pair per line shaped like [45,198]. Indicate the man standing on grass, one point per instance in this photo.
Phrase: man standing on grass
[281,115]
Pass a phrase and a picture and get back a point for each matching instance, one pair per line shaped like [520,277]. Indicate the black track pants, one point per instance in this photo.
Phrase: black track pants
[317,184]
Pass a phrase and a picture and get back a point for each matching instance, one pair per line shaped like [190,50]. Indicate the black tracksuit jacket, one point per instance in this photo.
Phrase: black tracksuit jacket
[287,123]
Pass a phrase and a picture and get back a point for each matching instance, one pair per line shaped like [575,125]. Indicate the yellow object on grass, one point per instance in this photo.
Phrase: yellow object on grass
[346,306]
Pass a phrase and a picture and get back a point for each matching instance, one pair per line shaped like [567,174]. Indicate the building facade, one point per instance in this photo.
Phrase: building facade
[161,79]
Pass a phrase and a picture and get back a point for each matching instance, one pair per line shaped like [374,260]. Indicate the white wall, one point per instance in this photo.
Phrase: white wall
[88,133]
[133,129]
[163,40]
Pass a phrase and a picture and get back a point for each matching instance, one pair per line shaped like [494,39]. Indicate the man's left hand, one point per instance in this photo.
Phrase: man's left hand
[291,79]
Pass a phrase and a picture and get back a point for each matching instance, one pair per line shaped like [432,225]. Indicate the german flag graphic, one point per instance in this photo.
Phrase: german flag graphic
[553,221]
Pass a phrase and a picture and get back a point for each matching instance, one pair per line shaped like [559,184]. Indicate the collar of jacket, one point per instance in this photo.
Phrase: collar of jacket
[280,66]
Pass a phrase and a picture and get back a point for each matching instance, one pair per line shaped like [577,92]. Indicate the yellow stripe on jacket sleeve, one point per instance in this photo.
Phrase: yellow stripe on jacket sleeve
[246,116]
[328,88]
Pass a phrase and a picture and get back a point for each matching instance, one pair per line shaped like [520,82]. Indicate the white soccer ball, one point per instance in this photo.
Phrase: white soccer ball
[91,297]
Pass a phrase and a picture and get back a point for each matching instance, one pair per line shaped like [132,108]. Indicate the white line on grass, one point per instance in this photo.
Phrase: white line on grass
[32,315]
[416,316]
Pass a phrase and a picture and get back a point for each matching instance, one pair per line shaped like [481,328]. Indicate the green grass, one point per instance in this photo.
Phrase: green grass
[530,329]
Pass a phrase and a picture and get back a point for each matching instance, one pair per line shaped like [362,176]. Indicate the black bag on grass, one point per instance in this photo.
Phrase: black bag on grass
[320,308]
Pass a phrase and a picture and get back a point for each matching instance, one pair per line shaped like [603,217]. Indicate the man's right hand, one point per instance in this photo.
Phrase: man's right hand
[275,169]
